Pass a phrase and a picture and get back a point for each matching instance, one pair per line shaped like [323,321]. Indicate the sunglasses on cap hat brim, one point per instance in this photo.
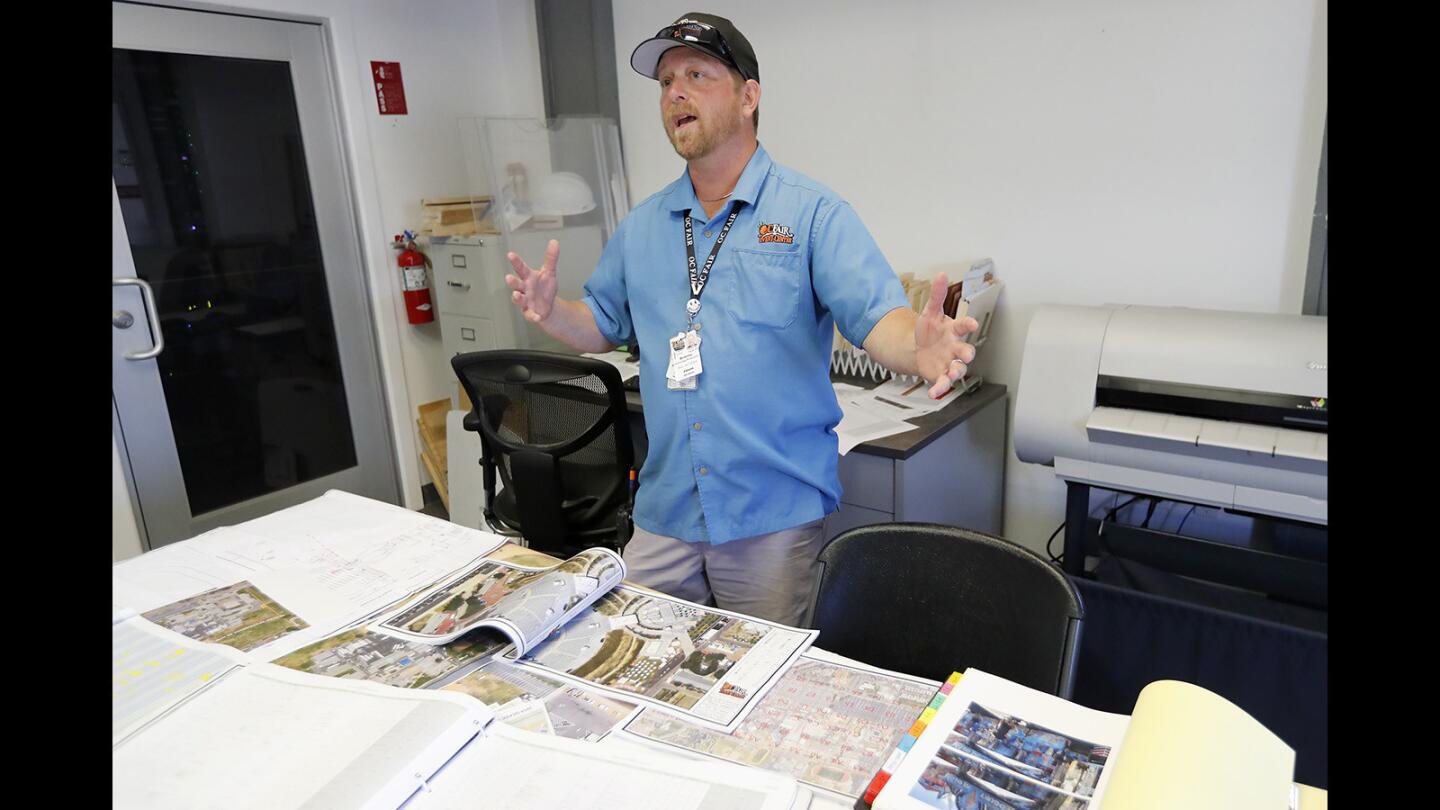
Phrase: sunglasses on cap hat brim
[702,34]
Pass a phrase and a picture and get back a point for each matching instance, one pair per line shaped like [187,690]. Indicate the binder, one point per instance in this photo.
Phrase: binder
[903,747]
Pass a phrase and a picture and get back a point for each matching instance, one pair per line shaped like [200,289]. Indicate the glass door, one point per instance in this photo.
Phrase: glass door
[245,373]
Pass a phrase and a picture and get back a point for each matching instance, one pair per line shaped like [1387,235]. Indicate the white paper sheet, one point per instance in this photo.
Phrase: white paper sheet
[859,425]
[519,771]
[264,736]
[171,572]
[977,278]
[338,534]
[914,395]
[328,562]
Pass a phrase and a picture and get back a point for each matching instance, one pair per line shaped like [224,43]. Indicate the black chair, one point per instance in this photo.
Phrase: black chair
[928,600]
[554,427]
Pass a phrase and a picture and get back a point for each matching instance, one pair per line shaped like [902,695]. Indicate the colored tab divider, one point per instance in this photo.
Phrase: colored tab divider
[892,762]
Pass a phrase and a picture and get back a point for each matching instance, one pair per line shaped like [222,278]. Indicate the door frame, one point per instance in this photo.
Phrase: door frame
[367,351]
[354,95]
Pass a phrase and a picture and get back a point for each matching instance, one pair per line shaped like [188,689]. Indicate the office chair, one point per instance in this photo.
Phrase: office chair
[927,600]
[555,429]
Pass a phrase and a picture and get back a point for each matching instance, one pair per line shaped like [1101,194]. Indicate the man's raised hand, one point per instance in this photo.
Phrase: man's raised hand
[941,354]
[533,290]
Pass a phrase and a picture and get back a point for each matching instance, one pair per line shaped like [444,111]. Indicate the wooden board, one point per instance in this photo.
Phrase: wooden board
[432,429]
[468,199]
[451,214]
[438,476]
[466,228]
[433,452]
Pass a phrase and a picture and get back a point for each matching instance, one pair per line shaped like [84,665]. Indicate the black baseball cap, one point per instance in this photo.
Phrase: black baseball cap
[706,33]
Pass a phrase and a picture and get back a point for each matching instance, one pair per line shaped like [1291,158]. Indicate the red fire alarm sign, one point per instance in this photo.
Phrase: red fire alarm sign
[389,90]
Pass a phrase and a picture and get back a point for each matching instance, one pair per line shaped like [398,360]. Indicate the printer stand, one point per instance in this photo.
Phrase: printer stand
[1296,573]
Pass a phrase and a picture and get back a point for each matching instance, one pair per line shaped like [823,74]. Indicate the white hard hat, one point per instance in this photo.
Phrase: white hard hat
[562,194]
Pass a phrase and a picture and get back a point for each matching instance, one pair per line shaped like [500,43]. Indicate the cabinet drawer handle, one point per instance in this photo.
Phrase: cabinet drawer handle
[459,284]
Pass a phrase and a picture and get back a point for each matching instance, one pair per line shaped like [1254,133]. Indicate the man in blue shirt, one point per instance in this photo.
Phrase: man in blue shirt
[731,280]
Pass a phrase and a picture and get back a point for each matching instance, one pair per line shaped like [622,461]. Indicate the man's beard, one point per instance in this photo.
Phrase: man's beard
[710,133]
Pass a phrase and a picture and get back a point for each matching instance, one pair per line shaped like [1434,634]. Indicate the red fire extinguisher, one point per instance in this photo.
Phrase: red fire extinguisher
[415,281]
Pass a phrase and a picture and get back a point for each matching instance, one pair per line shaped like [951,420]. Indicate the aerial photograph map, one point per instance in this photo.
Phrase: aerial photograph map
[529,699]
[362,655]
[521,602]
[239,615]
[830,726]
[712,664]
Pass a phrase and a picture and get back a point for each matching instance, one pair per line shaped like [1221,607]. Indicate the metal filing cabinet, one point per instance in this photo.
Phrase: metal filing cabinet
[471,298]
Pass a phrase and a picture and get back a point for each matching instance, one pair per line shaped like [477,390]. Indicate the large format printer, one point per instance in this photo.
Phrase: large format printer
[1224,409]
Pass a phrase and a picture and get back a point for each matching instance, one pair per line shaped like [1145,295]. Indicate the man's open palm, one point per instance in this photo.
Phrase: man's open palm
[941,353]
[533,290]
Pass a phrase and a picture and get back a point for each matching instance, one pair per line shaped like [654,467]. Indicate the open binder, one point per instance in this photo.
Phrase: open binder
[996,744]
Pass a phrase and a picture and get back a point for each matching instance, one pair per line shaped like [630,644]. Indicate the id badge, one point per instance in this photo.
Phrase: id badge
[685,364]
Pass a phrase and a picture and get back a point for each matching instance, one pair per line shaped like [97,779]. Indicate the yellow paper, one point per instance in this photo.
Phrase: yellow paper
[1313,798]
[1190,749]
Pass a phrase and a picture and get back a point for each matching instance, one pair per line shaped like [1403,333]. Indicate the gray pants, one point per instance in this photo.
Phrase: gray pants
[771,576]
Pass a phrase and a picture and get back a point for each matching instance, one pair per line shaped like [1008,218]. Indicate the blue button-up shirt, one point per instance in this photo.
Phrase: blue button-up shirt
[752,449]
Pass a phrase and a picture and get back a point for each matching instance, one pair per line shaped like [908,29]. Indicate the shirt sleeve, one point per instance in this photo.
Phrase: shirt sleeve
[606,294]
[851,278]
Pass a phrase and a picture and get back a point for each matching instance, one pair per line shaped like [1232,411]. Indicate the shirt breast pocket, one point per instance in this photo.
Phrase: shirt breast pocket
[765,287]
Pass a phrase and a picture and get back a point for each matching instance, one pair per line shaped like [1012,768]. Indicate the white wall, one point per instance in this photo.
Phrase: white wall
[458,58]
[1156,152]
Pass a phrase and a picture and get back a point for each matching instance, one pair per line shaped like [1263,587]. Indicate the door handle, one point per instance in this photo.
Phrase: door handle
[152,317]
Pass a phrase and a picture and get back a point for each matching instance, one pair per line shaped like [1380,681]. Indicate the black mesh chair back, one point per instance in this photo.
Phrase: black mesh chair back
[928,600]
[554,428]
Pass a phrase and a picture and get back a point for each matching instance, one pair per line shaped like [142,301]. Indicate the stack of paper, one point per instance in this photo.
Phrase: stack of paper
[859,424]
[199,725]
[257,735]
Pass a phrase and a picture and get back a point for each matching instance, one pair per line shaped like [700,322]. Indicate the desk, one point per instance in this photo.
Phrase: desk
[949,470]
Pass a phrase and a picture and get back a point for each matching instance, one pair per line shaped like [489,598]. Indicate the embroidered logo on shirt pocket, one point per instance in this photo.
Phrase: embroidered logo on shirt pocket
[765,287]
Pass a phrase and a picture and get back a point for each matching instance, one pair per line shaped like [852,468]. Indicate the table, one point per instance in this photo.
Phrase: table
[1310,798]
[385,540]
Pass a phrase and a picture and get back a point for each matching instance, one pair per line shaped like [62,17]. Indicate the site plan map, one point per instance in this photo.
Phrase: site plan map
[526,698]
[239,615]
[362,655]
[829,725]
[523,603]
[705,664]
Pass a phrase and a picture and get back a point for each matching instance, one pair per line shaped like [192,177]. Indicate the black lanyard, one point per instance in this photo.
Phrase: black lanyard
[698,279]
